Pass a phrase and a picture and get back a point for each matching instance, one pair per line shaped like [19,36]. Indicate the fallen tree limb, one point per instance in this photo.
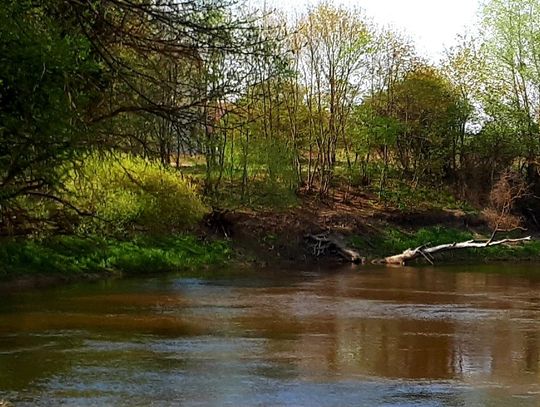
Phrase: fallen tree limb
[326,243]
[498,230]
[428,252]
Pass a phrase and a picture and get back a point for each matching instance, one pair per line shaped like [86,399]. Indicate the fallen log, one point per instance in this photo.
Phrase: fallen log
[428,252]
[326,243]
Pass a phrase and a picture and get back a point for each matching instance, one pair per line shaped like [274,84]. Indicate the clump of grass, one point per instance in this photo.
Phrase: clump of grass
[166,254]
[260,195]
[71,255]
[527,251]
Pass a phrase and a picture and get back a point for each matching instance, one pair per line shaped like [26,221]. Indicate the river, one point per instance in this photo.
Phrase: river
[445,336]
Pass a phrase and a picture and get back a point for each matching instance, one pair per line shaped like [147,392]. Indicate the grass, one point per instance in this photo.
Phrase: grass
[404,197]
[393,241]
[73,255]
[260,195]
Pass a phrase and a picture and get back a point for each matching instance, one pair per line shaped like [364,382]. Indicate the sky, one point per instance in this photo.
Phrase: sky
[432,24]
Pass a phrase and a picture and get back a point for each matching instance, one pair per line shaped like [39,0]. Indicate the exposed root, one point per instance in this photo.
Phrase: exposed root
[326,243]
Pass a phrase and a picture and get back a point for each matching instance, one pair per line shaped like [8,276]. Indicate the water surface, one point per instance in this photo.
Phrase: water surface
[446,336]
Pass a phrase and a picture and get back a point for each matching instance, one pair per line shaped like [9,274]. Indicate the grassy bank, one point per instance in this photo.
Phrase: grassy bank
[72,255]
[393,241]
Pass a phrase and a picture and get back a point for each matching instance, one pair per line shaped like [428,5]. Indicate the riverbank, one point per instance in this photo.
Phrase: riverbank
[75,257]
[264,237]
[369,227]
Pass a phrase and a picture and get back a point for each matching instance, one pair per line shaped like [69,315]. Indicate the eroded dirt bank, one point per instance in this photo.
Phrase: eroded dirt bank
[279,236]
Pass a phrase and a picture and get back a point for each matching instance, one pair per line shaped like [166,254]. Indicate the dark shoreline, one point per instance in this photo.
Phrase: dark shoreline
[259,241]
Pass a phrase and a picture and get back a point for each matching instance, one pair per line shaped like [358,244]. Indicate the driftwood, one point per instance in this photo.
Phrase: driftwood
[327,243]
[428,252]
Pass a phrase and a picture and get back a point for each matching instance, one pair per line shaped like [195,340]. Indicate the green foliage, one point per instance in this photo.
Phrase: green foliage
[331,102]
[252,164]
[435,235]
[404,197]
[44,91]
[393,241]
[165,254]
[69,255]
[528,251]
[418,119]
[260,195]
[511,34]
[125,192]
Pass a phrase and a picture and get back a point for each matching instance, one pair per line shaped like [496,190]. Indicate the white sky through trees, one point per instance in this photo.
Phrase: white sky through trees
[432,24]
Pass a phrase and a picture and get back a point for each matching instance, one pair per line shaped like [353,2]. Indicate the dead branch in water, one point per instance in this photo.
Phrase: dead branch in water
[428,252]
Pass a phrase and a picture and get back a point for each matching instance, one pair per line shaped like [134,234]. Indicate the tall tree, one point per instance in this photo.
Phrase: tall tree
[334,69]
[48,80]
[426,113]
[511,30]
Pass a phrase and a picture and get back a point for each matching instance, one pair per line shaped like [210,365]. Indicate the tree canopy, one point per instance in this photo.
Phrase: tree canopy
[251,104]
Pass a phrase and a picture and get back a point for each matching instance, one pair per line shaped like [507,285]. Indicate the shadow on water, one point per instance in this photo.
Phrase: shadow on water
[456,336]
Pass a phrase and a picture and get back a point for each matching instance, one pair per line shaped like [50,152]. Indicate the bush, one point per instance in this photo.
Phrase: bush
[125,193]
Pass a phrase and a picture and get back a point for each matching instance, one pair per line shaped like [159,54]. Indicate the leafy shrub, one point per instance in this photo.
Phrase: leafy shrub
[126,192]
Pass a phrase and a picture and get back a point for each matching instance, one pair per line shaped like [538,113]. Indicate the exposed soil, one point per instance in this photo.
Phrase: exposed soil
[279,236]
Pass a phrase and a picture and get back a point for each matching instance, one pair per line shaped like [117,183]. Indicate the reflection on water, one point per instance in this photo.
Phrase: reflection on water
[373,336]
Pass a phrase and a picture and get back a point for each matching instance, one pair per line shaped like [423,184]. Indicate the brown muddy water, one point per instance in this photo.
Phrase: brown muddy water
[446,336]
